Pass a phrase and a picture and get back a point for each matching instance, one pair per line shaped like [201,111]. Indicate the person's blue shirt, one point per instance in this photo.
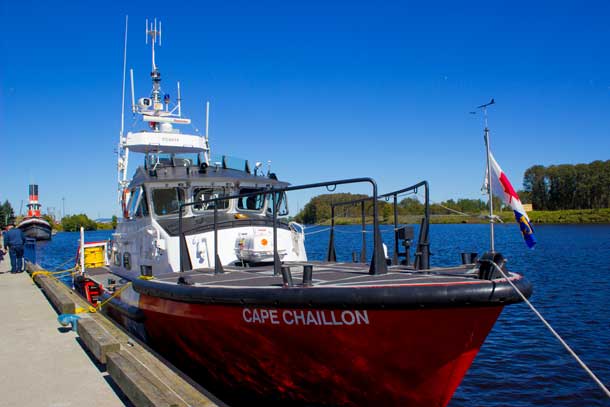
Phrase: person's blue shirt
[14,237]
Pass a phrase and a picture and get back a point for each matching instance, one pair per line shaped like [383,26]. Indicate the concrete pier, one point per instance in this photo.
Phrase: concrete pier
[40,364]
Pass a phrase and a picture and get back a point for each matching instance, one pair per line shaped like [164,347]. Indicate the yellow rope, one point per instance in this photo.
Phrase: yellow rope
[90,309]
[65,262]
[74,270]
[53,273]
[117,292]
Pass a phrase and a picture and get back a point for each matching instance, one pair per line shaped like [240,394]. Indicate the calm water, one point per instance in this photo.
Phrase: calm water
[521,364]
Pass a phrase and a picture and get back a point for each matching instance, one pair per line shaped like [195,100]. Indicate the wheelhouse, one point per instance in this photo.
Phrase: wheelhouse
[167,181]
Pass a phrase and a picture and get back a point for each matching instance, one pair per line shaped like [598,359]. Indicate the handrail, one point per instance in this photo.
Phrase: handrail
[377,266]
[423,246]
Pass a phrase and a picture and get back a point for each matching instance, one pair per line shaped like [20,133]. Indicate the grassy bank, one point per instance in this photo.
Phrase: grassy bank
[574,216]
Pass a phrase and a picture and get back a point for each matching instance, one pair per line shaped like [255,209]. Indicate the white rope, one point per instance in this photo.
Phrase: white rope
[559,338]
[353,231]
[316,231]
[453,210]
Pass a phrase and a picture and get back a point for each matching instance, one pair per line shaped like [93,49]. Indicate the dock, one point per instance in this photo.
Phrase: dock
[45,364]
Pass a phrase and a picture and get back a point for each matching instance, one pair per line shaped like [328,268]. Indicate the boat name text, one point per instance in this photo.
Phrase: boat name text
[304,317]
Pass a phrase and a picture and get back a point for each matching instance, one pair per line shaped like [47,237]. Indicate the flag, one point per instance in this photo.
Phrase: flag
[502,188]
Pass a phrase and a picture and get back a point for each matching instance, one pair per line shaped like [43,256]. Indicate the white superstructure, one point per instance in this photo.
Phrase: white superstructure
[179,177]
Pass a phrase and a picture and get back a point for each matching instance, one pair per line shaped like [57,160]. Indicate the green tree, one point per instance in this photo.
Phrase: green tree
[114,221]
[567,186]
[386,212]
[534,182]
[6,214]
[410,206]
[73,223]
[318,209]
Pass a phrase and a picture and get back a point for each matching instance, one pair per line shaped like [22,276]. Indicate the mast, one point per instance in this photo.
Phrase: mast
[153,32]
[123,153]
[154,111]
[489,188]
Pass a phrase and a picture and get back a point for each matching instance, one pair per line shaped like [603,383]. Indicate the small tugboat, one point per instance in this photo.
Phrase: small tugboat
[206,268]
[33,225]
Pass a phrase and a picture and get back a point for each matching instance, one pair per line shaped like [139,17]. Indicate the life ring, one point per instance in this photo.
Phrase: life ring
[124,199]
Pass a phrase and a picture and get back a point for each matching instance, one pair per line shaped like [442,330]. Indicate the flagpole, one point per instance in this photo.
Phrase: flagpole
[489,188]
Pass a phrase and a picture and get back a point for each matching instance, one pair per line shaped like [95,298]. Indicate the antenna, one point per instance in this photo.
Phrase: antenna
[133,96]
[207,119]
[153,31]
[179,100]
[123,87]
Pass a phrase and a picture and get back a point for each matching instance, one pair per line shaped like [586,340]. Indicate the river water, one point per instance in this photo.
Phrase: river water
[521,364]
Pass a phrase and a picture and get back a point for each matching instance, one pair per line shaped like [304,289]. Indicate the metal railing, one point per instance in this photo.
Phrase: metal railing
[422,255]
[377,266]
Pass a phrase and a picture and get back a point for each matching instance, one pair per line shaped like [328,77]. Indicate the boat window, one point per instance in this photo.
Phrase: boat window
[127,260]
[138,204]
[169,160]
[205,193]
[167,200]
[252,202]
[142,208]
[134,198]
[282,203]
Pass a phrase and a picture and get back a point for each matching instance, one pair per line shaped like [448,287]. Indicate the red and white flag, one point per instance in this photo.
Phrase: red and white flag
[502,188]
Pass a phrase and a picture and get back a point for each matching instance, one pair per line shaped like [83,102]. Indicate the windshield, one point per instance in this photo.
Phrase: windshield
[167,200]
[138,206]
[252,202]
[201,194]
[281,202]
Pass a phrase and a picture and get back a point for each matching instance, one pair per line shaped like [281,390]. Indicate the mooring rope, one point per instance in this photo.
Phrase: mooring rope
[550,328]
[317,231]
[64,263]
[53,273]
[458,212]
[115,294]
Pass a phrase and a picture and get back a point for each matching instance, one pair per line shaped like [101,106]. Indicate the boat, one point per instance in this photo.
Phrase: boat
[33,225]
[206,267]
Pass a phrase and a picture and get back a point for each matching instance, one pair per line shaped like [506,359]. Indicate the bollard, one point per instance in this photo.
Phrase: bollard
[68,319]
[287,276]
[469,258]
[307,275]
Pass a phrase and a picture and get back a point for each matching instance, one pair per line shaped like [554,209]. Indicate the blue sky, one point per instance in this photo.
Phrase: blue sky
[323,89]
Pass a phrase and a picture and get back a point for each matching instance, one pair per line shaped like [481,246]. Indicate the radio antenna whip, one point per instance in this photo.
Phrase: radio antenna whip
[124,73]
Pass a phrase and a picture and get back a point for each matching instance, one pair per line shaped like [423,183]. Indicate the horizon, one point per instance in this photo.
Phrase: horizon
[323,90]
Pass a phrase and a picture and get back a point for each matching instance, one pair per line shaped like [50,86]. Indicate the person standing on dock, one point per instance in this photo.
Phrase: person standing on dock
[14,240]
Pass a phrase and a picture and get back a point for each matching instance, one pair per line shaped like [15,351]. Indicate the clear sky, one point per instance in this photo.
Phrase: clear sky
[323,89]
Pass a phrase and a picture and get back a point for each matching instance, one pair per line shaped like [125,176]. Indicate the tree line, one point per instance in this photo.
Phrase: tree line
[318,209]
[568,186]
[73,223]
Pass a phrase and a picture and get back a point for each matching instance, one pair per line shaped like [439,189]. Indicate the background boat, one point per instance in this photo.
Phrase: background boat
[33,225]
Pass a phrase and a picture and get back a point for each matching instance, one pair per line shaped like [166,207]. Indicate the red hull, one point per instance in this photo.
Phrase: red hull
[414,357]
